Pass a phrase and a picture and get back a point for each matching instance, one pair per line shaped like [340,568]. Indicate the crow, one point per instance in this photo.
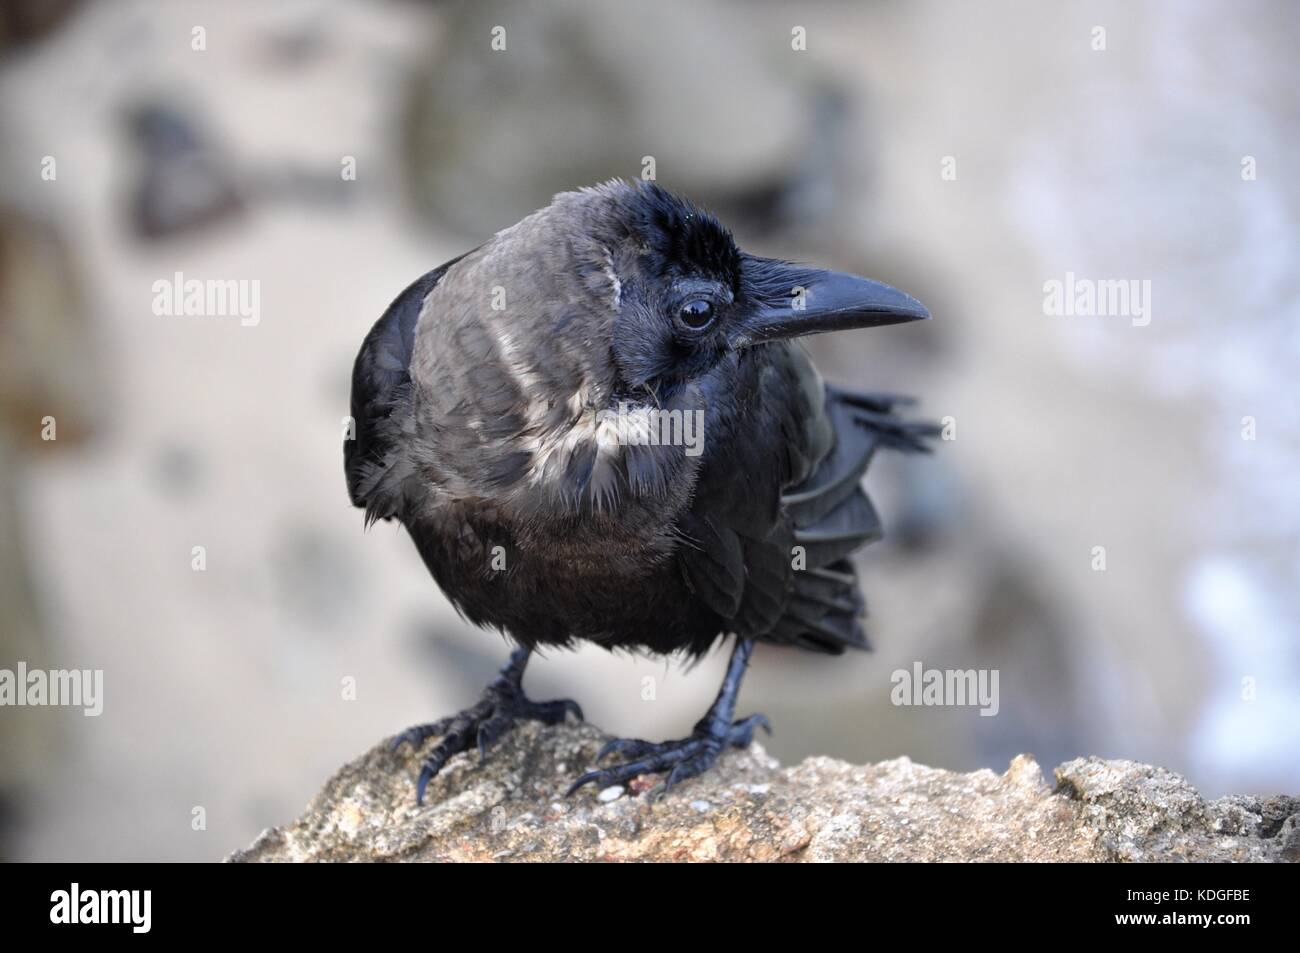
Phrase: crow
[597,426]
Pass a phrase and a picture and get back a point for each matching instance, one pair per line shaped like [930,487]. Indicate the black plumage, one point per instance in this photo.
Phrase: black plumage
[492,406]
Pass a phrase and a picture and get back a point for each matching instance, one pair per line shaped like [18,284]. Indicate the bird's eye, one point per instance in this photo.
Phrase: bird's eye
[697,314]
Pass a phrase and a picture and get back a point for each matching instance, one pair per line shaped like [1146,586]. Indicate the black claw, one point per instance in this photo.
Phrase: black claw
[490,730]
[680,759]
[437,759]
[416,735]
[585,779]
[690,767]
[428,771]
[553,713]
[673,776]
[632,747]
[742,732]
[615,775]
[481,725]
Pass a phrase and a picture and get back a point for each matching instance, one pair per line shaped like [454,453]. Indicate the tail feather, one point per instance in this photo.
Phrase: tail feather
[832,517]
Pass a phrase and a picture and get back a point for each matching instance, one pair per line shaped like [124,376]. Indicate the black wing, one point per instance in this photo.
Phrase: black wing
[773,559]
[381,395]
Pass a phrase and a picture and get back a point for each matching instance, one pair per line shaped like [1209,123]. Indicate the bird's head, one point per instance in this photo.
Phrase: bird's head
[688,296]
[613,297]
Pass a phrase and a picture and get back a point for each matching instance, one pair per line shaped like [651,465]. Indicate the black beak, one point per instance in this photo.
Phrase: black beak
[793,301]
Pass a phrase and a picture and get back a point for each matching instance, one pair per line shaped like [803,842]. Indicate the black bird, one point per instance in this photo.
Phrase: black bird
[596,426]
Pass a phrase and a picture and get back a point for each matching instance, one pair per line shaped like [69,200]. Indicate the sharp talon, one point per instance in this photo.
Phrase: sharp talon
[608,748]
[676,760]
[748,726]
[742,732]
[632,747]
[436,761]
[415,736]
[503,703]
[585,779]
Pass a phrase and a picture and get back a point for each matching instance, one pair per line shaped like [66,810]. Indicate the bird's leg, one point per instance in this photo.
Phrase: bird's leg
[503,703]
[686,757]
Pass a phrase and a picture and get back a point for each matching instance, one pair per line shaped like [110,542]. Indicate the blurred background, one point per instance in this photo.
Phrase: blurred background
[334,151]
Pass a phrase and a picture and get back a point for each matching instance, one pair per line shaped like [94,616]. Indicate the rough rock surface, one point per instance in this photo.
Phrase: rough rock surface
[749,808]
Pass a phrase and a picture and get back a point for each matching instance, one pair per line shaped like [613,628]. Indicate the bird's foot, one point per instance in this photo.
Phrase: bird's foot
[503,703]
[680,759]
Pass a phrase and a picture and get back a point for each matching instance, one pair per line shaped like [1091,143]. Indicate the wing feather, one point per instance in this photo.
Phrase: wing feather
[373,459]
[797,585]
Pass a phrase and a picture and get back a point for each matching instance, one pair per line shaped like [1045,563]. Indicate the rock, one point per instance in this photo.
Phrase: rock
[748,808]
[1141,813]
